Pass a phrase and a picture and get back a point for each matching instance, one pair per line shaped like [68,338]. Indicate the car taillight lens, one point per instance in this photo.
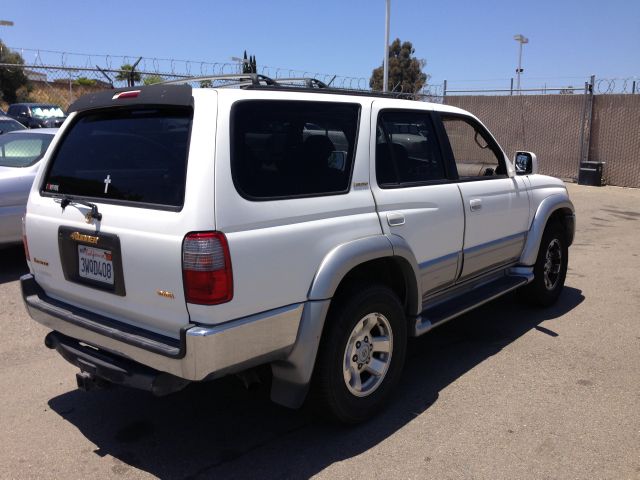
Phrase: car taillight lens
[24,241]
[206,268]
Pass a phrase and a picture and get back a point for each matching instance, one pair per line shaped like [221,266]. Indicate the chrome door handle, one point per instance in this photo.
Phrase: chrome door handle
[475,204]
[395,219]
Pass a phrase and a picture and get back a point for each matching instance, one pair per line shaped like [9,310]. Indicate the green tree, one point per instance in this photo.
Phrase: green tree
[125,74]
[249,64]
[151,79]
[246,68]
[13,81]
[405,70]
[84,81]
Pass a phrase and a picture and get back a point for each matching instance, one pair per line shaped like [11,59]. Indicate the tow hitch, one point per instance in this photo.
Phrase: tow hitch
[102,369]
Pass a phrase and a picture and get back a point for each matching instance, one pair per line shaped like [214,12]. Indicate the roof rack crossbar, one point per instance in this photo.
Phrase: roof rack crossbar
[253,78]
[309,82]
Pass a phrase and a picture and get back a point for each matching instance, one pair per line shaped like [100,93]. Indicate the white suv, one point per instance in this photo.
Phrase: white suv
[178,234]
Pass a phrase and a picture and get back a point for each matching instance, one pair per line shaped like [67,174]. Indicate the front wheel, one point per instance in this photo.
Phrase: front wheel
[361,354]
[550,269]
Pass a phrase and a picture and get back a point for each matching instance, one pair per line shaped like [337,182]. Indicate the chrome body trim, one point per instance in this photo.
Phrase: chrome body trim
[209,350]
[546,208]
[491,254]
[440,272]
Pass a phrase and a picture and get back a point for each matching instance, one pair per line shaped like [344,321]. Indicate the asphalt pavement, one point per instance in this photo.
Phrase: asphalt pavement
[507,391]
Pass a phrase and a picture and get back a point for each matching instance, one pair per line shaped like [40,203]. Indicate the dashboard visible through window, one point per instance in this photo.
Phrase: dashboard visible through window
[473,149]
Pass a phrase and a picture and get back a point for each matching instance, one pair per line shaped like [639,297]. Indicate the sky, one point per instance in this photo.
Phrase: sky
[469,43]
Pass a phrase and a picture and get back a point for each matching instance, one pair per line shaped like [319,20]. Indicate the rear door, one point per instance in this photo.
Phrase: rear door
[131,163]
[415,191]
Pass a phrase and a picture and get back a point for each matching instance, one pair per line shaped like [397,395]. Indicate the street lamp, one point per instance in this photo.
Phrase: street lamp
[521,39]
[240,61]
[385,62]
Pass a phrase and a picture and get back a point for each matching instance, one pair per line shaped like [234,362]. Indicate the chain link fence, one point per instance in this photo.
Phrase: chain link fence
[565,130]
[596,121]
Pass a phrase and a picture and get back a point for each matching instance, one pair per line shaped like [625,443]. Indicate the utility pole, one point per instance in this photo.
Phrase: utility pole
[385,80]
[521,39]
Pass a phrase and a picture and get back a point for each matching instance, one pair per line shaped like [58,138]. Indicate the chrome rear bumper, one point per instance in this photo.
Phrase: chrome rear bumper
[201,352]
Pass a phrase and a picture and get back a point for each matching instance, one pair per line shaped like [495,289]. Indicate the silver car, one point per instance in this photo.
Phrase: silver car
[20,154]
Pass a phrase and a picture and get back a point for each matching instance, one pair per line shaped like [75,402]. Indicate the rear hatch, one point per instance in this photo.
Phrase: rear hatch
[105,224]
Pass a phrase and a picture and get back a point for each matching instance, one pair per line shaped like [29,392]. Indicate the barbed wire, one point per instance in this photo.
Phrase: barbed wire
[175,67]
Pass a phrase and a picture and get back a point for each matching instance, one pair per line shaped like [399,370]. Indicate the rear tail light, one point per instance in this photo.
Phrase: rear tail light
[206,268]
[24,241]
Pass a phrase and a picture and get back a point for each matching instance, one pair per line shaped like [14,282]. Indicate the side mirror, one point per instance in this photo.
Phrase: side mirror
[526,163]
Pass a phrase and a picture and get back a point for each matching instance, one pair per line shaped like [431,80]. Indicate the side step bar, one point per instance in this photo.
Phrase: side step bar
[442,312]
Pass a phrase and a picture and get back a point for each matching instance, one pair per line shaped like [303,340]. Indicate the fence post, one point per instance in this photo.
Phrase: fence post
[444,88]
[633,87]
[511,87]
[585,136]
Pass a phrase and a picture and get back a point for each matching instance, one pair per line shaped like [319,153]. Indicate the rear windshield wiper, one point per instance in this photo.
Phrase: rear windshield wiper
[66,200]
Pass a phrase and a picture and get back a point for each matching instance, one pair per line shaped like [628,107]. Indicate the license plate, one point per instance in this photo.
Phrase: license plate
[95,264]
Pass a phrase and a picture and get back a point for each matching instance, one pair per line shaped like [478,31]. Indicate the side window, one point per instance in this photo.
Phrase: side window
[474,152]
[407,151]
[284,149]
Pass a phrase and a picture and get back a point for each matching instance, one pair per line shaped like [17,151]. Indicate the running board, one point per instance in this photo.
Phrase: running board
[456,306]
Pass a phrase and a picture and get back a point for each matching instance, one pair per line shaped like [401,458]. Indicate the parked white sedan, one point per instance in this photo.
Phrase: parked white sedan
[20,155]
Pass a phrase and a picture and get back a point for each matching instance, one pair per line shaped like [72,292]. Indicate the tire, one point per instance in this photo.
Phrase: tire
[550,269]
[346,387]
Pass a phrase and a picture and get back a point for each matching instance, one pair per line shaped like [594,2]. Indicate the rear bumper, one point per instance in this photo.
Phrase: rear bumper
[201,352]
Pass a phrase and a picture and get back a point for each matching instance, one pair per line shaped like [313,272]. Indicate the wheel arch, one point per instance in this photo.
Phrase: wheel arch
[555,207]
[387,259]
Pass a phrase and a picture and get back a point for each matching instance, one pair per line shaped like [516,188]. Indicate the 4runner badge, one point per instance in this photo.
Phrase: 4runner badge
[81,237]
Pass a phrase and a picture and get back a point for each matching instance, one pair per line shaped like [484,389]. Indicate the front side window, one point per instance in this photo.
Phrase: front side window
[407,152]
[284,149]
[475,153]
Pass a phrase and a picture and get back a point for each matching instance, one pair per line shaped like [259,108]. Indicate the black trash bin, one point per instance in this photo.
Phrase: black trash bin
[590,173]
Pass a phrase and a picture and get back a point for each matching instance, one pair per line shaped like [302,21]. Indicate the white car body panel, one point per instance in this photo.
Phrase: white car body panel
[278,245]
[150,240]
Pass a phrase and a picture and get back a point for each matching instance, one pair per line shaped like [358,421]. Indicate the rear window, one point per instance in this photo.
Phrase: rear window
[284,149]
[134,156]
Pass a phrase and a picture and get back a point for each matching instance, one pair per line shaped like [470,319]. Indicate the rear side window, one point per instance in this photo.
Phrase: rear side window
[133,156]
[407,152]
[283,149]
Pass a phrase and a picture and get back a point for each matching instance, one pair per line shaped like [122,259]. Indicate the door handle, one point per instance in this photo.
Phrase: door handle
[475,204]
[395,219]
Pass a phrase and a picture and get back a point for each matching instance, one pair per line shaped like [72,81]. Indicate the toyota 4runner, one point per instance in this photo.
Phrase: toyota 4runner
[178,234]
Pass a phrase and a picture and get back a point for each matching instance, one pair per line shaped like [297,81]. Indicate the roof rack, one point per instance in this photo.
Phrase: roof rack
[258,81]
[254,79]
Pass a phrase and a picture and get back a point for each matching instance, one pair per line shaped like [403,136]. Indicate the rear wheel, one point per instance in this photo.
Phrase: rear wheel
[550,269]
[361,354]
